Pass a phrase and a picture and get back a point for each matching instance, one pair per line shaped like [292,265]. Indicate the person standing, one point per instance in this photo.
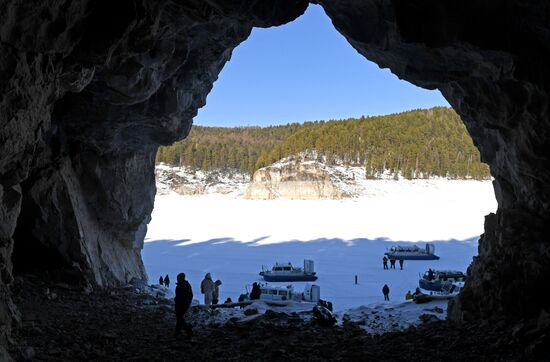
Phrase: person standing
[256,291]
[216,294]
[385,262]
[401,261]
[207,288]
[392,262]
[167,281]
[161,281]
[184,296]
[386,291]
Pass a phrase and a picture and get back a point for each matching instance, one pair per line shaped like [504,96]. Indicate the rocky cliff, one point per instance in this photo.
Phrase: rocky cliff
[294,178]
[88,90]
[186,181]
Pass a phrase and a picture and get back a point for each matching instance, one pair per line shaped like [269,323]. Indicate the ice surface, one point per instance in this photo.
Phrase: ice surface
[232,238]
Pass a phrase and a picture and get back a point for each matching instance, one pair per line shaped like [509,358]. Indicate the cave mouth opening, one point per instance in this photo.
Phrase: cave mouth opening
[203,158]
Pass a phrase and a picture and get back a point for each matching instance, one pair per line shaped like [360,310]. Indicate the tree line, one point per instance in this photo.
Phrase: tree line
[415,144]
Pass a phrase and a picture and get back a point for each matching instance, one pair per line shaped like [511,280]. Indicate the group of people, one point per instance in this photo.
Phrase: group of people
[184,297]
[165,281]
[392,260]
[410,296]
[210,289]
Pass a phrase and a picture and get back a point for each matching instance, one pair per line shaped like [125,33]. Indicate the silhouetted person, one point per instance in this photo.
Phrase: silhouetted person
[401,261]
[216,293]
[386,291]
[228,300]
[255,292]
[161,281]
[408,296]
[430,274]
[184,296]
[385,262]
[167,281]
[207,288]
[356,280]
[392,262]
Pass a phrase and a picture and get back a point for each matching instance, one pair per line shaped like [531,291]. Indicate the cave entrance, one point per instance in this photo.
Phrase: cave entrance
[369,200]
[42,239]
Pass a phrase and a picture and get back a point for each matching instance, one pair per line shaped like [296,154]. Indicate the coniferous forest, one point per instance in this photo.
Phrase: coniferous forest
[415,144]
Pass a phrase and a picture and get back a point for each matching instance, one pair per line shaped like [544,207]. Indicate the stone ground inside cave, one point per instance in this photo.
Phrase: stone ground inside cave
[61,323]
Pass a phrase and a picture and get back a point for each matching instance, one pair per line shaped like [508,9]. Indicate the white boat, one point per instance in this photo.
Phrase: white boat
[311,293]
[412,252]
[442,281]
[289,273]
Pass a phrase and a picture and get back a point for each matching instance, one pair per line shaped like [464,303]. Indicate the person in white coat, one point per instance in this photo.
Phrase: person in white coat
[207,288]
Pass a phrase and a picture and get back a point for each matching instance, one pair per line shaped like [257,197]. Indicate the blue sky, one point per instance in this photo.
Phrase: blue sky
[305,71]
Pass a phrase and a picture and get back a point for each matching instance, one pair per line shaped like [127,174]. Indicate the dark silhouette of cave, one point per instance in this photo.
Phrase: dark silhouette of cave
[88,92]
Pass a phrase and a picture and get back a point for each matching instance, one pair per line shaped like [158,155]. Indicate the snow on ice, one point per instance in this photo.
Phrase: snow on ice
[232,238]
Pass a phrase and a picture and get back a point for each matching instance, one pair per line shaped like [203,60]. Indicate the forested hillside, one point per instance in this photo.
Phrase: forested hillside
[415,144]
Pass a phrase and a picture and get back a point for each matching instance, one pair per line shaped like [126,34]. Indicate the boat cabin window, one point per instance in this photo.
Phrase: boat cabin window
[273,292]
[286,268]
[283,292]
[277,268]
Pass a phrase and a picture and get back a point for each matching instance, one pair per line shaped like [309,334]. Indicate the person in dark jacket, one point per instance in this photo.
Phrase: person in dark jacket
[161,281]
[430,274]
[392,263]
[167,281]
[401,261]
[385,262]
[386,291]
[255,292]
[184,296]
[216,293]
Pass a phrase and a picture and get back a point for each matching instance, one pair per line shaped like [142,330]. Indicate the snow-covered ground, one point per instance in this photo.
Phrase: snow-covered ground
[232,238]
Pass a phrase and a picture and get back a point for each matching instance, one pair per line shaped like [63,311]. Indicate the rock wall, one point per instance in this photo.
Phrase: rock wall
[295,179]
[488,59]
[88,90]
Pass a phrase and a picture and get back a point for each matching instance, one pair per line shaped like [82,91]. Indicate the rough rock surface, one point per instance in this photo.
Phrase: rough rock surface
[88,90]
[118,324]
[294,178]
[186,181]
[488,60]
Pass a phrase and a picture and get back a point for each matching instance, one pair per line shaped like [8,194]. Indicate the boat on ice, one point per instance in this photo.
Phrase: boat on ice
[289,273]
[311,293]
[446,282]
[412,252]
[277,293]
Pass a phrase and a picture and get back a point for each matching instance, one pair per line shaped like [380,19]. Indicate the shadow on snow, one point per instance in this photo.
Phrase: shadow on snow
[337,261]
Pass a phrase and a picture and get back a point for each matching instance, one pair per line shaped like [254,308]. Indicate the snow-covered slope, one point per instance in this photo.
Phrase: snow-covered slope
[299,177]
[185,181]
